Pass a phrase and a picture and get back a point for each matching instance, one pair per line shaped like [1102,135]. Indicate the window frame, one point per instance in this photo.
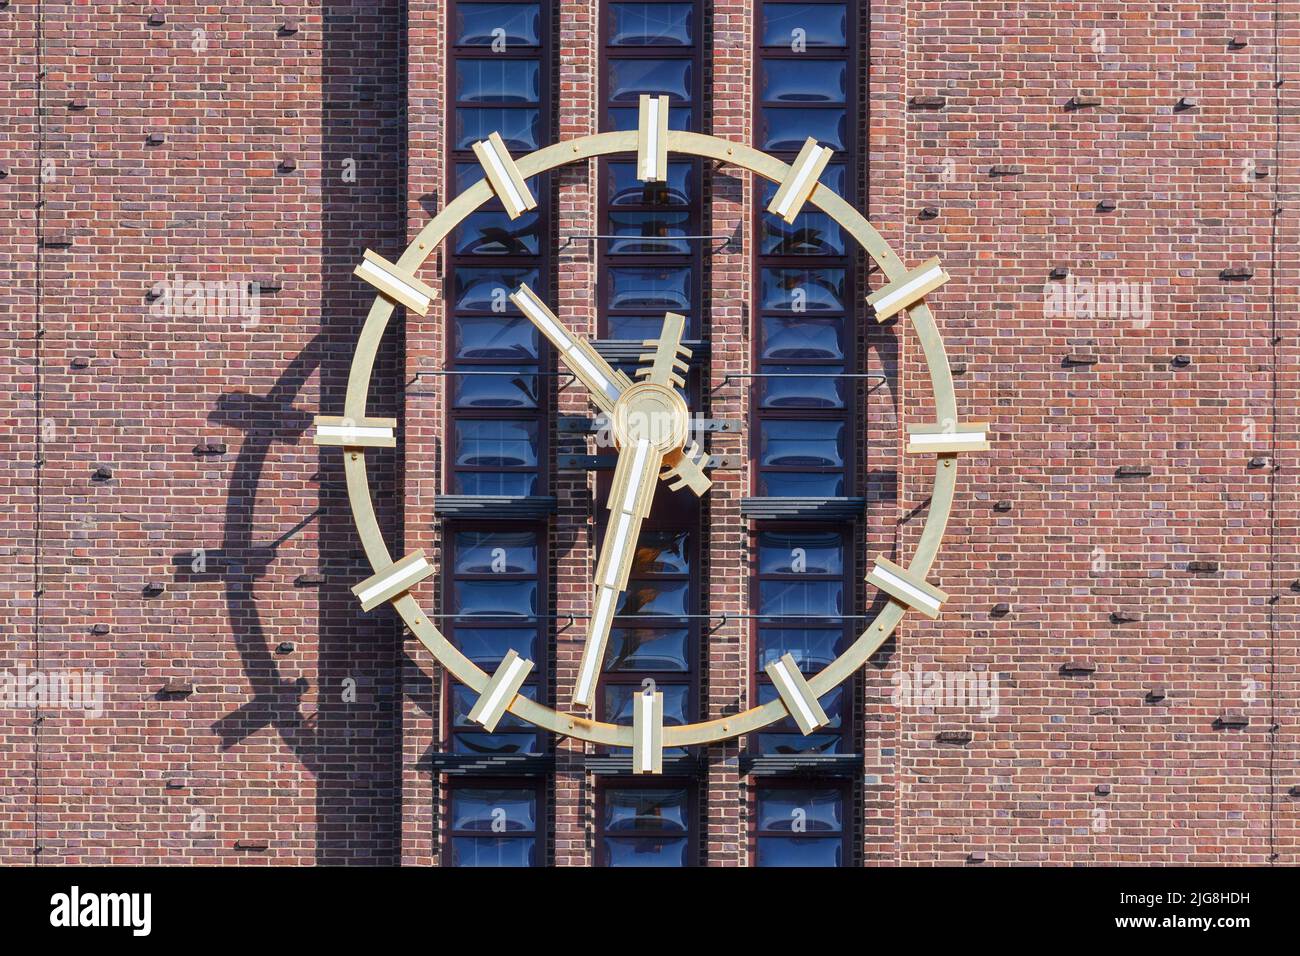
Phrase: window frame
[843,788]
[693,829]
[541,813]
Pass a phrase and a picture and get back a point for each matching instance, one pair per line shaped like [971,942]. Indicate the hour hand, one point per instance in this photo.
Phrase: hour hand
[629,503]
[669,355]
[603,382]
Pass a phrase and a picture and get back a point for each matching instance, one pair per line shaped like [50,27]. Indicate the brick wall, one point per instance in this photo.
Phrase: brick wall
[294,137]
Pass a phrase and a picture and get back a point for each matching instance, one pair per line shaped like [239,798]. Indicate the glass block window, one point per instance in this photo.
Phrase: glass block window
[645,826]
[801,593]
[649,266]
[494,824]
[496,400]
[799,826]
[494,593]
[805,298]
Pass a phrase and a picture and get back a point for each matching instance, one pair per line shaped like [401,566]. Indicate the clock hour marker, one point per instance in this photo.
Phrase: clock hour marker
[910,289]
[797,696]
[395,579]
[652,139]
[504,176]
[800,181]
[355,433]
[971,436]
[648,733]
[500,691]
[904,586]
[395,282]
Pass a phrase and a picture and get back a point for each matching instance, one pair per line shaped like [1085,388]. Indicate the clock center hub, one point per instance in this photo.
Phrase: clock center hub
[653,412]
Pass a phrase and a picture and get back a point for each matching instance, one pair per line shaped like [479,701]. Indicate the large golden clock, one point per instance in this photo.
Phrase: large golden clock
[649,420]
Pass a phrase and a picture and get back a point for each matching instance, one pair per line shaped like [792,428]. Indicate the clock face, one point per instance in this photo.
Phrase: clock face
[649,418]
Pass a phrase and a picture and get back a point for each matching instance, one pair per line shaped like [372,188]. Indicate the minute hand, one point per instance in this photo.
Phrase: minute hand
[629,503]
[603,382]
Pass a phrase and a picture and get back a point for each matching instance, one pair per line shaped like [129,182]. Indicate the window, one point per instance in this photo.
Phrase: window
[805,295]
[653,637]
[650,266]
[645,826]
[495,402]
[801,594]
[799,826]
[494,824]
[494,592]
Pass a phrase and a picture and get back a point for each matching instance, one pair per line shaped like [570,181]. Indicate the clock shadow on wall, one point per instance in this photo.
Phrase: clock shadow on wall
[352,750]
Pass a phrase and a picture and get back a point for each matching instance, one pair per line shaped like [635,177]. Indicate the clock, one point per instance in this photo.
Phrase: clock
[649,419]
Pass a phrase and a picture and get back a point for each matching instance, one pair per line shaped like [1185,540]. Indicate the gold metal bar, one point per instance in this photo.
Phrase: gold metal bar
[504,176]
[500,691]
[393,580]
[395,283]
[648,732]
[947,438]
[801,180]
[652,139]
[355,433]
[902,585]
[797,696]
[907,290]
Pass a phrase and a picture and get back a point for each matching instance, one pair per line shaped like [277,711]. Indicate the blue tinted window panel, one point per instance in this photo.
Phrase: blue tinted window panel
[487,646]
[513,25]
[794,484]
[497,81]
[649,233]
[496,552]
[488,290]
[803,444]
[644,810]
[679,117]
[784,128]
[802,852]
[796,744]
[811,234]
[519,128]
[625,189]
[802,386]
[795,82]
[504,388]
[782,598]
[662,552]
[496,234]
[801,552]
[507,484]
[499,743]
[813,338]
[816,810]
[811,25]
[812,648]
[640,328]
[832,702]
[644,852]
[652,24]
[802,291]
[495,598]
[628,79]
[493,443]
[488,338]
[658,288]
[658,650]
[484,808]
[653,598]
[494,851]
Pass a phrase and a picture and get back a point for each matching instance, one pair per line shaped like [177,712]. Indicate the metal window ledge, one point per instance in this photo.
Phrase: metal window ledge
[803,509]
[612,765]
[801,765]
[493,506]
[492,765]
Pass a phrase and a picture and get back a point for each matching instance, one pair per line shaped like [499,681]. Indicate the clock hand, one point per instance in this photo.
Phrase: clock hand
[667,355]
[603,382]
[629,503]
